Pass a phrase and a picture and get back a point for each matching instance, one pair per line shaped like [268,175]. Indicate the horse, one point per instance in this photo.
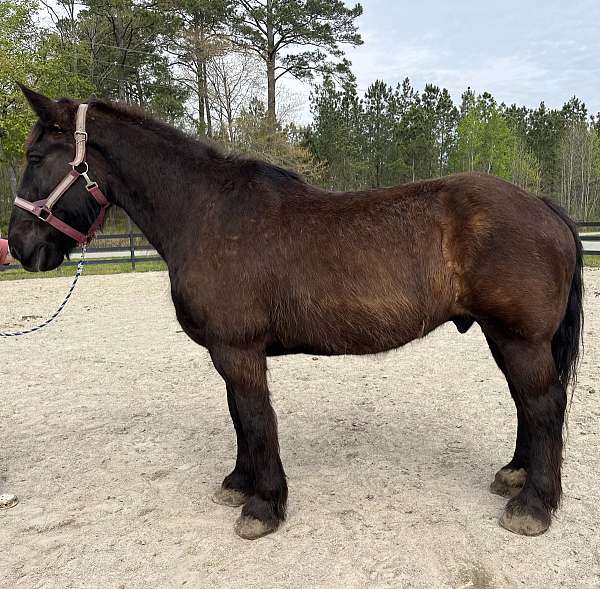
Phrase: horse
[263,264]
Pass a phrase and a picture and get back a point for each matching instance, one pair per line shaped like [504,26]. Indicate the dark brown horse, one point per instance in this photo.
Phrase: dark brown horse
[263,264]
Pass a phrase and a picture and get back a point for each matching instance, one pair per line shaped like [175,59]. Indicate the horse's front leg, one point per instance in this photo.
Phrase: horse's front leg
[239,485]
[245,373]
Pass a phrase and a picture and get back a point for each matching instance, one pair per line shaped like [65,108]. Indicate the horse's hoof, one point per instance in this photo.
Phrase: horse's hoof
[250,528]
[229,497]
[7,501]
[508,482]
[530,520]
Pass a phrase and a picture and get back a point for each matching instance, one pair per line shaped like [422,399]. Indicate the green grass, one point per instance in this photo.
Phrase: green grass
[91,269]
[591,261]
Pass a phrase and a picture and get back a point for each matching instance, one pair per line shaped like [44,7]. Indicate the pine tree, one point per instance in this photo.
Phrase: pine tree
[545,128]
[446,119]
[378,123]
[334,137]
[271,28]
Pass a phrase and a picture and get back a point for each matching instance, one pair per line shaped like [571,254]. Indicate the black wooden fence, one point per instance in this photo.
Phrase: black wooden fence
[137,243]
[593,240]
[109,249]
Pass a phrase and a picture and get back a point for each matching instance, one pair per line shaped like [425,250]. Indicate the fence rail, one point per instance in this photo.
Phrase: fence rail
[149,254]
[593,239]
[140,250]
[101,252]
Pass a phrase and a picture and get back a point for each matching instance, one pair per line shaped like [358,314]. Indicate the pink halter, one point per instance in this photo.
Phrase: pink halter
[42,209]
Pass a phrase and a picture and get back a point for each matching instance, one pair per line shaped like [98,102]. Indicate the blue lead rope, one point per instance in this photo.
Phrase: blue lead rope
[59,310]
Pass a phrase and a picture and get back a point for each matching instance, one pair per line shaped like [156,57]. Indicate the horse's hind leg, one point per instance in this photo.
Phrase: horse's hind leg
[245,372]
[532,372]
[509,480]
[238,486]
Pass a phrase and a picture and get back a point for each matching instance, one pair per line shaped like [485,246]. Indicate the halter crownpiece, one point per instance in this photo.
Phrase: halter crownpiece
[42,209]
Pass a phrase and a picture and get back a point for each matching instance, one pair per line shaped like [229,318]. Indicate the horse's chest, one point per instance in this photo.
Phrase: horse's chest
[191,314]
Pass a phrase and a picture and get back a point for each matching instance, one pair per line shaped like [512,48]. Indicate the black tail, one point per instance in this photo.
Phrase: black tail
[567,342]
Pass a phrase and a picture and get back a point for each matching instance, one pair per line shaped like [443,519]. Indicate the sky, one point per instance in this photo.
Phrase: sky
[520,51]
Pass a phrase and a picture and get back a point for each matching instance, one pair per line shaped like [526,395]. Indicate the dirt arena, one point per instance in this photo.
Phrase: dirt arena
[114,432]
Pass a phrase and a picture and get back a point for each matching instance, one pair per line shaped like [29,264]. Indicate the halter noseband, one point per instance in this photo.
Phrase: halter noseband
[42,209]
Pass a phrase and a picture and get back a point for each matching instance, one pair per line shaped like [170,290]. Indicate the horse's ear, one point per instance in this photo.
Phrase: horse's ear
[45,108]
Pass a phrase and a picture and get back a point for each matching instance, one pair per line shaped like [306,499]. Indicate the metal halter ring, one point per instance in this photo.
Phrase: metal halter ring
[87,168]
[88,182]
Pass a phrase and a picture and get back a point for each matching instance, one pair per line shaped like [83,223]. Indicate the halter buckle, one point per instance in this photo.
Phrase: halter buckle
[44,214]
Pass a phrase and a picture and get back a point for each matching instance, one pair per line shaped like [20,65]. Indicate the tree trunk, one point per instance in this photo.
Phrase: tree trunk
[122,89]
[271,57]
[228,107]
[201,104]
[200,78]
[209,130]
[271,105]
[140,89]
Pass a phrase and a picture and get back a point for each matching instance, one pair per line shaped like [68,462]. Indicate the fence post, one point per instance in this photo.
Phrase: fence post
[131,244]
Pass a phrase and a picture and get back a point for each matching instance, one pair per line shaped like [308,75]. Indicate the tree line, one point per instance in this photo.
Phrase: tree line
[394,135]
[214,69]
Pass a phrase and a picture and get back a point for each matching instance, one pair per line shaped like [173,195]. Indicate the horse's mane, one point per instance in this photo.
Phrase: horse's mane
[203,148]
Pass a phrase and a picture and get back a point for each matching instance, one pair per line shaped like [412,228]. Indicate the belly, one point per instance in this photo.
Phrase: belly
[351,327]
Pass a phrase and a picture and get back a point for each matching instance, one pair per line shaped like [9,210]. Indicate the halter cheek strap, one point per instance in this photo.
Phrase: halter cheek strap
[42,209]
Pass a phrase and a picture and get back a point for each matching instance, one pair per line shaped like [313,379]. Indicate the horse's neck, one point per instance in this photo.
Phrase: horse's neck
[157,184]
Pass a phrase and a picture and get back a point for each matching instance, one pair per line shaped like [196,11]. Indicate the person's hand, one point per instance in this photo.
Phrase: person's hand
[5,257]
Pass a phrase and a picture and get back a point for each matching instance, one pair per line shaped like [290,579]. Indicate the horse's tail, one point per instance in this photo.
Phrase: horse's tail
[567,342]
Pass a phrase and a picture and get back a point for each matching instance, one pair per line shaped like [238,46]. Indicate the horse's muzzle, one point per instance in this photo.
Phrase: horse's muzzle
[39,257]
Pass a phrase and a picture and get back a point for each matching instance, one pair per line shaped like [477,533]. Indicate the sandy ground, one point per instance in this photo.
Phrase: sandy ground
[114,432]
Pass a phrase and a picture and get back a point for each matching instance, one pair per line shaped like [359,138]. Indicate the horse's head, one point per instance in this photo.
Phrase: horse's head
[37,244]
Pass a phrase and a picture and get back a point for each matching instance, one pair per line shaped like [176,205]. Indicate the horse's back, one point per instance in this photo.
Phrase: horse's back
[361,272]
[366,272]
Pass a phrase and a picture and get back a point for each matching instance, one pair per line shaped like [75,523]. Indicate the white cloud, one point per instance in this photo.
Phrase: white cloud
[522,51]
